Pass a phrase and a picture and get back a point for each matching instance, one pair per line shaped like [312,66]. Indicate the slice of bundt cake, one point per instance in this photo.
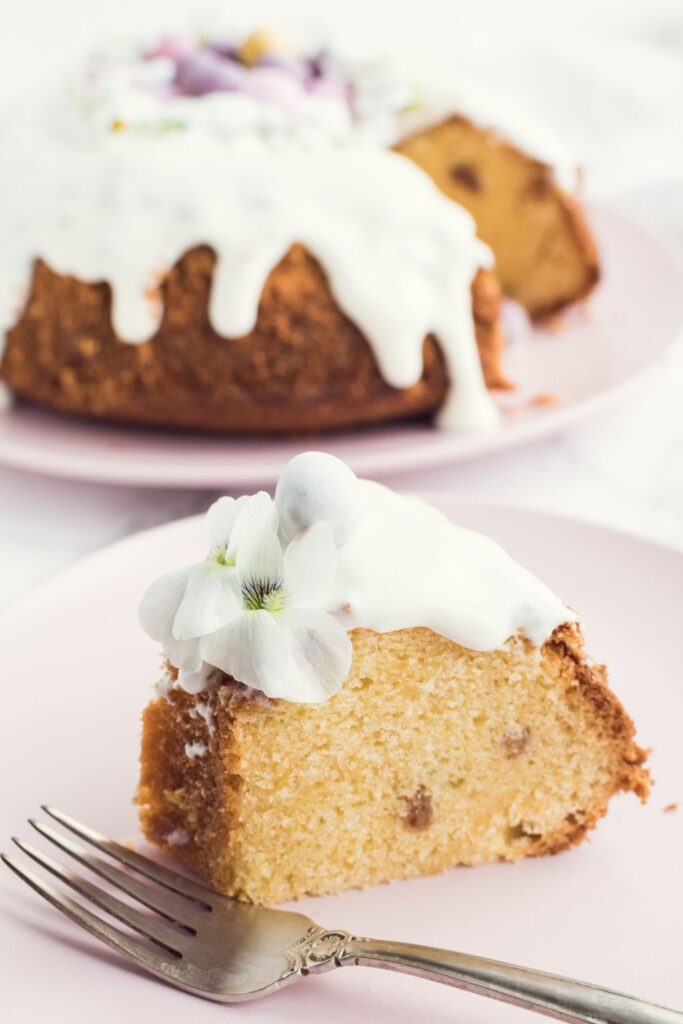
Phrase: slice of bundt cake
[358,690]
[545,254]
[489,153]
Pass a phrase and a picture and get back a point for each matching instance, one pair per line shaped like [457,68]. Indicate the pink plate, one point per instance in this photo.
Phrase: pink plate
[596,354]
[77,671]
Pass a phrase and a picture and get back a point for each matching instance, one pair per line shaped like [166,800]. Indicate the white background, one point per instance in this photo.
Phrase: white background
[609,75]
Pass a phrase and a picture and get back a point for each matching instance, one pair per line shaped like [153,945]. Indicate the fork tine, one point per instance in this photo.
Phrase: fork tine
[170,879]
[162,901]
[153,929]
[113,937]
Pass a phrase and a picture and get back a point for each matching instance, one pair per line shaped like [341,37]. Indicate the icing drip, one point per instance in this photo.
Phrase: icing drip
[203,711]
[193,750]
[399,257]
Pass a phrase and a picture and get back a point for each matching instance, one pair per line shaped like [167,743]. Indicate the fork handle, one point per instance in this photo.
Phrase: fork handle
[549,994]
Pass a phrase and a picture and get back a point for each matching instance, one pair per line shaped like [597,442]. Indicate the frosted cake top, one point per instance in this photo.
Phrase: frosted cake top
[250,148]
[266,86]
[287,578]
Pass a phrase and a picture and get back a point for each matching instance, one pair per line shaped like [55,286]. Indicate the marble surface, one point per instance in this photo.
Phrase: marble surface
[614,80]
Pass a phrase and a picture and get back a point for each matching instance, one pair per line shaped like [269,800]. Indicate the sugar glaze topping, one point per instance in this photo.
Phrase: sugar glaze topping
[363,557]
[399,257]
[265,84]
[404,564]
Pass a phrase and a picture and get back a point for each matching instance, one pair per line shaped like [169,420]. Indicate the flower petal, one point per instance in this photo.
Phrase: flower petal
[211,599]
[195,681]
[183,654]
[259,559]
[310,564]
[257,512]
[252,649]
[320,654]
[161,602]
[221,519]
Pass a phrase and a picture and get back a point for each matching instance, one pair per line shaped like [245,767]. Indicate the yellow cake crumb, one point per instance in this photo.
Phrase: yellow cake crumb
[545,255]
[430,756]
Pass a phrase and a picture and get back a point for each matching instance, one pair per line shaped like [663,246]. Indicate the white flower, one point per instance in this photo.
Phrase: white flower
[252,609]
[157,613]
[187,603]
[280,640]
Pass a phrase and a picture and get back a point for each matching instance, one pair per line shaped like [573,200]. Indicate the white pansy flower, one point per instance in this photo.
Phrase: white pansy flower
[187,603]
[253,607]
[211,593]
[157,612]
[280,640]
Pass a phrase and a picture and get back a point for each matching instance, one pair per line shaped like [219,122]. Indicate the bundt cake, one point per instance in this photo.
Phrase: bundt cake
[358,690]
[305,366]
[229,238]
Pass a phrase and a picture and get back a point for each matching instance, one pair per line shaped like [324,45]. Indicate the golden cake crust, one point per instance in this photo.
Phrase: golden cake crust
[406,822]
[304,368]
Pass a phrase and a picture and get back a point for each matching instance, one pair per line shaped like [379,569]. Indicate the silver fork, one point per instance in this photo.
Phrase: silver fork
[229,951]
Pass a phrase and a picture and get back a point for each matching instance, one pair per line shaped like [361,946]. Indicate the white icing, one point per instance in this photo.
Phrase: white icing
[193,750]
[178,837]
[252,696]
[392,97]
[407,565]
[130,91]
[398,564]
[399,256]
[166,681]
[404,564]
[204,711]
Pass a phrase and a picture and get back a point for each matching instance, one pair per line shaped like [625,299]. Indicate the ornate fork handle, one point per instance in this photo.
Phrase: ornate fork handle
[549,994]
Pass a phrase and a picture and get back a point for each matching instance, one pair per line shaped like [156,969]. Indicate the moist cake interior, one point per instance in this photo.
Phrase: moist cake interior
[545,256]
[431,755]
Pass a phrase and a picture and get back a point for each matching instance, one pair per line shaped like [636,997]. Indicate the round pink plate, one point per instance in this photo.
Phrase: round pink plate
[591,357]
[77,671]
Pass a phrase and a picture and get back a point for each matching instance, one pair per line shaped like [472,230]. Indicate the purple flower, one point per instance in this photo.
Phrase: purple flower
[319,63]
[297,69]
[224,48]
[205,72]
